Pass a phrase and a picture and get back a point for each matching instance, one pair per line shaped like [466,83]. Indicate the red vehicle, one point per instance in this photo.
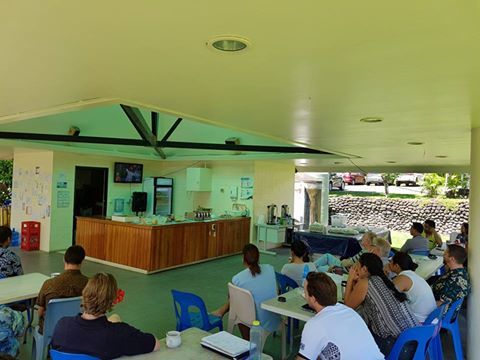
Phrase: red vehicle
[354,178]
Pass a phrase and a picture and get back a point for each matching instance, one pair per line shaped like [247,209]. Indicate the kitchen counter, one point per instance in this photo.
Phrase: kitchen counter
[150,248]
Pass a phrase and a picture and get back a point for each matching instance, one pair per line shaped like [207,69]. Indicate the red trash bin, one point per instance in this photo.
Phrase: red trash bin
[30,235]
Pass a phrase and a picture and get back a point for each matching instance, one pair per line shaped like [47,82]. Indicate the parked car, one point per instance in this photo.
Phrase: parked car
[409,179]
[354,178]
[336,181]
[375,179]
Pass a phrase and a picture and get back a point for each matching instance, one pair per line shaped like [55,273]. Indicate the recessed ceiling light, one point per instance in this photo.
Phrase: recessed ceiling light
[441,156]
[371,119]
[228,43]
[415,143]
[303,162]
[391,162]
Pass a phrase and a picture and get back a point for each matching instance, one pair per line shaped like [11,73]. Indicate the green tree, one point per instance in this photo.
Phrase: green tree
[456,185]
[6,174]
[432,183]
[388,178]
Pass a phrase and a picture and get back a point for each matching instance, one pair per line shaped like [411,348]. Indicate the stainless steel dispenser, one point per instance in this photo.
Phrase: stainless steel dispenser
[272,214]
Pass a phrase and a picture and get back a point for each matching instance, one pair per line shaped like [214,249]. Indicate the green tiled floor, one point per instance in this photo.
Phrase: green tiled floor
[148,302]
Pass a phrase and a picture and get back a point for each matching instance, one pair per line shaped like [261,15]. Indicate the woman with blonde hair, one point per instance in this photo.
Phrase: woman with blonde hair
[91,333]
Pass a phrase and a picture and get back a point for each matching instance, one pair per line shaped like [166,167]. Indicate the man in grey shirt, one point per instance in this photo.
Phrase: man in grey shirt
[417,242]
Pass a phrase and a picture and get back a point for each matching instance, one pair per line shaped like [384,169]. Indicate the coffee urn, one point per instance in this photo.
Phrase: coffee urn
[272,214]
[285,211]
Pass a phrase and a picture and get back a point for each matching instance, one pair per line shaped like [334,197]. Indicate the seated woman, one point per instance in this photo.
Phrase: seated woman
[328,261]
[12,326]
[260,280]
[462,238]
[419,294]
[383,307]
[300,259]
[91,333]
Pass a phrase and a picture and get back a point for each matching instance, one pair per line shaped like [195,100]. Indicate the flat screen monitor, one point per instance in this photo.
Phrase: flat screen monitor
[128,173]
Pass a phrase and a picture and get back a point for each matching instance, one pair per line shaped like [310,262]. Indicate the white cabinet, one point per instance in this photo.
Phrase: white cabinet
[271,233]
[199,179]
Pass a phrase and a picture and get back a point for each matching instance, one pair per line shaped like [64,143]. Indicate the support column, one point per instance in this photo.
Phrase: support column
[473,318]
[325,178]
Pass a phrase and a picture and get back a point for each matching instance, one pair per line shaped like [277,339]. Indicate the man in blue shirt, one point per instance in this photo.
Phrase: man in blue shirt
[417,242]
[10,264]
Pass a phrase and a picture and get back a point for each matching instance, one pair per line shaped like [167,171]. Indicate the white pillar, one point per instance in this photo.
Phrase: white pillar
[325,178]
[473,318]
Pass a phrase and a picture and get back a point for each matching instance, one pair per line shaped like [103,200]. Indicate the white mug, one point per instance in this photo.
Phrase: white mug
[174,339]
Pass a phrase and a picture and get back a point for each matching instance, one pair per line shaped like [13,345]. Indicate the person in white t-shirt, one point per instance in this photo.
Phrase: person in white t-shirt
[300,259]
[336,331]
[419,293]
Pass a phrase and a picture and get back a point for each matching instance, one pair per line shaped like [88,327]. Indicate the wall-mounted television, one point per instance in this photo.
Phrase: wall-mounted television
[128,173]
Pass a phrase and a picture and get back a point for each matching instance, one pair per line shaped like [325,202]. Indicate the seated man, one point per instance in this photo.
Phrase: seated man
[328,261]
[417,242]
[68,284]
[381,248]
[91,333]
[455,283]
[10,264]
[336,331]
[431,234]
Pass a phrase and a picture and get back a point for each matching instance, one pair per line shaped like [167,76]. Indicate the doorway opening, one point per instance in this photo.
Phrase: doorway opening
[91,188]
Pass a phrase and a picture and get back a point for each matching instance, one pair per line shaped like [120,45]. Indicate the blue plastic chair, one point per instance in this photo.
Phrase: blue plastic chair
[182,302]
[435,318]
[56,309]
[450,323]
[420,335]
[420,252]
[58,355]
[285,283]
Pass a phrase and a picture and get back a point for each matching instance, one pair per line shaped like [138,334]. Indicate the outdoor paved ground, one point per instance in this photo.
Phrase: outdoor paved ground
[413,190]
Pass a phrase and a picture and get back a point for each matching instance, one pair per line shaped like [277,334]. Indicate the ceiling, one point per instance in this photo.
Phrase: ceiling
[112,122]
[315,68]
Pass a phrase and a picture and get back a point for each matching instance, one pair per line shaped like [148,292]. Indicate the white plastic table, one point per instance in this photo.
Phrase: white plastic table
[22,287]
[189,350]
[426,266]
[291,308]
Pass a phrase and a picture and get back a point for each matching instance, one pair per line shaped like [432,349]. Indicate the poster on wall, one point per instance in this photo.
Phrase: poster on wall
[246,194]
[63,199]
[61,184]
[246,182]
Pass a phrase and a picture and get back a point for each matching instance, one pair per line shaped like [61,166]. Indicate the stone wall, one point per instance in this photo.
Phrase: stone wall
[398,214]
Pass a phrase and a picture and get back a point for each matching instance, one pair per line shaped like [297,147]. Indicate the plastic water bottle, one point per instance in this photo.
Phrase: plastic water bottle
[255,341]
[306,270]
[15,238]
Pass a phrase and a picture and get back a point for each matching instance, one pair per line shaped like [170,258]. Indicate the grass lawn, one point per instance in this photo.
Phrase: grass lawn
[399,238]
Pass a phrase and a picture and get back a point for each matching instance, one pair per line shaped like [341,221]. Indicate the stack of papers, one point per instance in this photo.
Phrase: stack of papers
[227,345]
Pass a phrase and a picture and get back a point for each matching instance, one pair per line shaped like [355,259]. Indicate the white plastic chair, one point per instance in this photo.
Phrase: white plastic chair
[56,309]
[242,309]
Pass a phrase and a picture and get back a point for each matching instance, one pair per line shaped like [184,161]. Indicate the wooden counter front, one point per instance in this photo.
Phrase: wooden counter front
[156,247]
